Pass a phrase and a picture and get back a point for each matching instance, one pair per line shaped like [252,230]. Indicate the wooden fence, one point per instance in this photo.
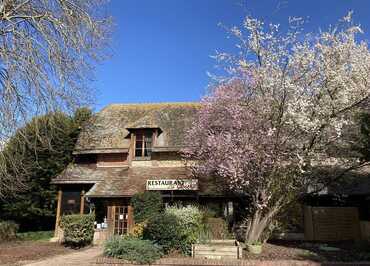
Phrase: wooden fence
[331,223]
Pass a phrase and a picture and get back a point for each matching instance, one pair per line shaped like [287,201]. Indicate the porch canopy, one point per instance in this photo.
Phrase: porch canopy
[118,182]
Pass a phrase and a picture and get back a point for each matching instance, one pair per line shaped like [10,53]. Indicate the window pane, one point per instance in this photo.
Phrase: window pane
[139,140]
[143,143]
[148,151]
[139,148]
[148,143]
[71,202]
[148,135]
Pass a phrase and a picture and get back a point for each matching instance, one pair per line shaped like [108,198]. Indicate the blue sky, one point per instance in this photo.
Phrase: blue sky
[161,48]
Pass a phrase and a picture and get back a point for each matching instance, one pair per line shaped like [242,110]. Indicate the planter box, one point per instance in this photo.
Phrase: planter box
[220,249]
[100,236]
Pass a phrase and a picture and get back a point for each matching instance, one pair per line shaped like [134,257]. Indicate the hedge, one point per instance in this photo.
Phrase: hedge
[78,229]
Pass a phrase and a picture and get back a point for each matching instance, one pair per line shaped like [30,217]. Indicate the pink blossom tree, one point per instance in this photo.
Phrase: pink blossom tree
[284,103]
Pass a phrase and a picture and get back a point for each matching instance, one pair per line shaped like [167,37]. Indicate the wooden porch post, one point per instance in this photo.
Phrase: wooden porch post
[59,205]
[110,219]
[82,202]
[130,220]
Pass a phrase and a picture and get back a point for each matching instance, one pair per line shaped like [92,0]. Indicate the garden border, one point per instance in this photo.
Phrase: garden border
[228,262]
[213,262]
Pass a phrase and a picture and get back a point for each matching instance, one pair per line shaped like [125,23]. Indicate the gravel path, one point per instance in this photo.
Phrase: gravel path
[81,258]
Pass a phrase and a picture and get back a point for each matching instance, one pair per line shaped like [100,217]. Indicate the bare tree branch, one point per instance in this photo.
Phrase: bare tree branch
[48,49]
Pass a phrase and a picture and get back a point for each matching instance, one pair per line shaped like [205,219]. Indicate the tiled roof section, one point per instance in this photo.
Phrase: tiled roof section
[134,181]
[108,129]
[78,173]
[119,182]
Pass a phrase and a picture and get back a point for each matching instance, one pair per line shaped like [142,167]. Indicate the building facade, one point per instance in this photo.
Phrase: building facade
[131,148]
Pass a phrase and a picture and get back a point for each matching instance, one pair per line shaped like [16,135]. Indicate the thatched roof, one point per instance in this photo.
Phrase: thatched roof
[109,128]
[354,183]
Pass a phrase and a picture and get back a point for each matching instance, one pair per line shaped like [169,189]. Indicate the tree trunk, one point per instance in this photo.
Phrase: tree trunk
[255,228]
[258,223]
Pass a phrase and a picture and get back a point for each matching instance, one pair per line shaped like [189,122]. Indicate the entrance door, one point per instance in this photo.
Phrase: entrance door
[120,219]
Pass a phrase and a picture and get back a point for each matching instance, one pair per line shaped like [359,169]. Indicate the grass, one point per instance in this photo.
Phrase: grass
[35,236]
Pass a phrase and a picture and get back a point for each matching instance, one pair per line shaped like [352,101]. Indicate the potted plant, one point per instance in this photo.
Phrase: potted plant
[254,247]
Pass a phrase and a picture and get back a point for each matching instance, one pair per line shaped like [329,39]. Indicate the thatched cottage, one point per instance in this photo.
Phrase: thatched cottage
[130,148]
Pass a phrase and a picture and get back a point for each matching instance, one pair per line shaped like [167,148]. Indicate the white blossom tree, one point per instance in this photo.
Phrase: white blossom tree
[279,111]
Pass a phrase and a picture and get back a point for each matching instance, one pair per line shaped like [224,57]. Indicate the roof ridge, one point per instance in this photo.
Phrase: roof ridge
[152,103]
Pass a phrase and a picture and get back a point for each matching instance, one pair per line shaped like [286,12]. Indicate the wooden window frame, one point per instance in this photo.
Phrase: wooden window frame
[142,132]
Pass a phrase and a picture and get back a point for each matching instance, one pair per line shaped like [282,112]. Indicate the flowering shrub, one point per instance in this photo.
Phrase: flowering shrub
[138,230]
[189,220]
[189,217]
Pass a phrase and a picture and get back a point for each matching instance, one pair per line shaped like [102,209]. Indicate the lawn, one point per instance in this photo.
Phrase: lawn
[30,246]
[36,236]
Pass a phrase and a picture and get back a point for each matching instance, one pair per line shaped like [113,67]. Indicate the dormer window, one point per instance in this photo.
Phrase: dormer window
[143,144]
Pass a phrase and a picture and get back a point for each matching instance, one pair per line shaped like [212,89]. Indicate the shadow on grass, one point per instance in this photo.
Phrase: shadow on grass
[35,236]
[344,251]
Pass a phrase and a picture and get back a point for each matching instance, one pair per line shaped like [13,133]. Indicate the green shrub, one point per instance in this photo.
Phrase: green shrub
[8,230]
[189,220]
[217,228]
[132,249]
[163,229]
[205,234]
[78,229]
[146,205]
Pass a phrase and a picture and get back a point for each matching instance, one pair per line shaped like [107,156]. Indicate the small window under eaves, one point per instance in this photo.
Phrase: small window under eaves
[143,144]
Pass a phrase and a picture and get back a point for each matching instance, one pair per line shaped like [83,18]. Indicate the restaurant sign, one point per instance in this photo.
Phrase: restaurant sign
[172,184]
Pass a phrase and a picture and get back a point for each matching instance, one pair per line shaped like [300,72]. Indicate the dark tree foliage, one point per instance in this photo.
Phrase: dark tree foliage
[44,148]
[362,140]
[146,205]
